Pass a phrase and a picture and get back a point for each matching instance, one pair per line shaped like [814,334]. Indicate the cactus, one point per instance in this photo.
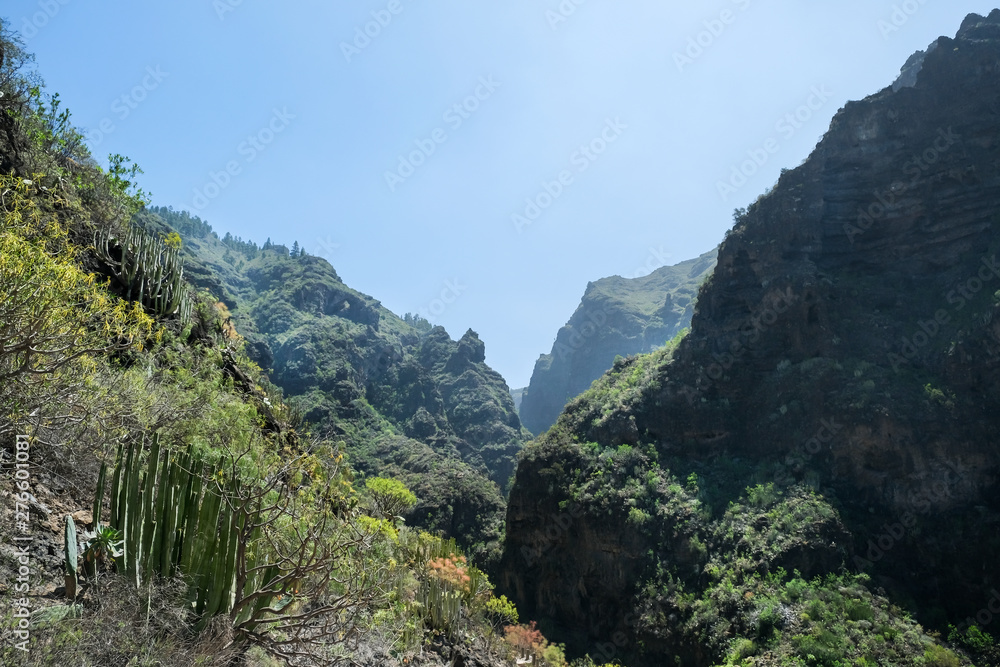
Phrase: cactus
[442,602]
[151,271]
[99,496]
[69,540]
[441,607]
[89,564]
[175,521]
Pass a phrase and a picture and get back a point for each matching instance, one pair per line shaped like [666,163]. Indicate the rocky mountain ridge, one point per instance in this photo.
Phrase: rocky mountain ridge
[406,399]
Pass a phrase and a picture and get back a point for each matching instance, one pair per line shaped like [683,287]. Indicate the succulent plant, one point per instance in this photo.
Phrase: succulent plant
[173,520]
[150,270]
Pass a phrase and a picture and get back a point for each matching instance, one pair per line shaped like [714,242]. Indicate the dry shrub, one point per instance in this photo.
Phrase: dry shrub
[138,627]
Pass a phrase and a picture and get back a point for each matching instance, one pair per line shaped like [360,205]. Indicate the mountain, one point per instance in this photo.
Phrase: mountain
[406,399]
[815,462]
[167,502]
[616,317]
[221,454]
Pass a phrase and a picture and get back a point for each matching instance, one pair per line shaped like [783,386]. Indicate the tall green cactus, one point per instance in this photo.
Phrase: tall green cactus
[441,605]
[99,496]
[69,542]
[150,270]
[89,565]
[174,521]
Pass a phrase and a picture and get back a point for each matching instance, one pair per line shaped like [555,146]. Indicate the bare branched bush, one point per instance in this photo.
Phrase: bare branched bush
[321,572]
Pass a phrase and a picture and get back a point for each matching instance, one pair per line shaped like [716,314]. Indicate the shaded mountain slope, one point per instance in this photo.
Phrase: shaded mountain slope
[841,372]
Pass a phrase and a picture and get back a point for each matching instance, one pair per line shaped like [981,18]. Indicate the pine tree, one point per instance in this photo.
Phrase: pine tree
[295,249]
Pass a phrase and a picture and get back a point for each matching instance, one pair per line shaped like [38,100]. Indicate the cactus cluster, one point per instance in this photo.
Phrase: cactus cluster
[176,518]
[149,269]
[444,601]
[441,606]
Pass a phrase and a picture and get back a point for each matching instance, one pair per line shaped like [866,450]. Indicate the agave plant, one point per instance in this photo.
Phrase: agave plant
[104,546]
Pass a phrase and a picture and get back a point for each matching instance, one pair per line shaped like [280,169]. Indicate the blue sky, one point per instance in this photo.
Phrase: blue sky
[477,162]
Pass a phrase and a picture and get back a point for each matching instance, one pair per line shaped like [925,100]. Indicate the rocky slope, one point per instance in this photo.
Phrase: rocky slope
[616,317]
[847,344]
[407,400]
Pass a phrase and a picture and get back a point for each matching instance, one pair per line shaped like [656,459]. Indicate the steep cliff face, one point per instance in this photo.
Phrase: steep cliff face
[616,317]
[867,276]
[847,340]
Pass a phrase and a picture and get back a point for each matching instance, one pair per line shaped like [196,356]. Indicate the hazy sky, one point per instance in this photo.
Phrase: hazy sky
[400,138]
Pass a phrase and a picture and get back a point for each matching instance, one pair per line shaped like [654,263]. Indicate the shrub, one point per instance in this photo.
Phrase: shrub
[796,587]
[741,648]
[939,656]
[768,621]
[54,318]
[822,647]
[529,642]
[452,570]
[501,611]
[762,495]
[972,638]
[637,517]
[859,611]
[390,497]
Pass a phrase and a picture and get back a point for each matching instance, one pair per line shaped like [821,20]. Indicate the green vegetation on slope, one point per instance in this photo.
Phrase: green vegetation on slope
[213,526]
[403,397]
[729,561]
